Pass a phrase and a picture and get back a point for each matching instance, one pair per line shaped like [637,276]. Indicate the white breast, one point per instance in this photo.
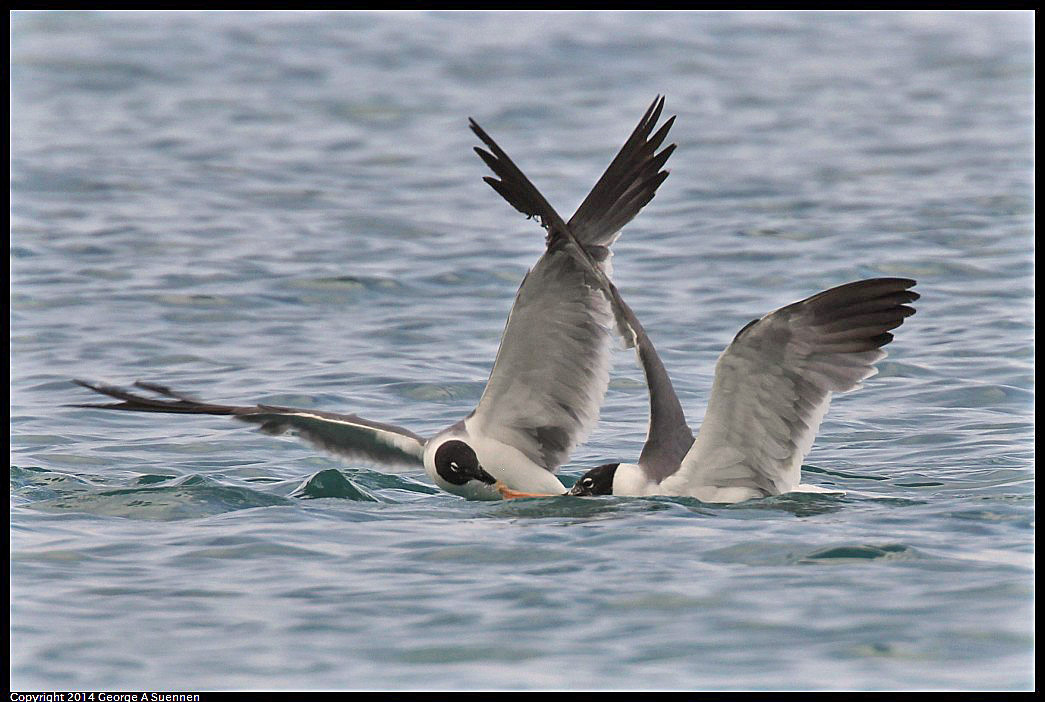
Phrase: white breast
[510,465]
[629,479]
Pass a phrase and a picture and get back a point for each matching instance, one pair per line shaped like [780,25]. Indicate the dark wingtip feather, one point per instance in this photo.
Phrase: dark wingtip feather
[655,140]
[881,339]
[511,183]
[479,131]
[488,158]
[656,108]
[163,390]
[857,316]
[613,201]
[179,404]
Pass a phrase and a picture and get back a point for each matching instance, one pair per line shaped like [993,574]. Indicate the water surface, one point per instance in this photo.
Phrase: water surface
[285,208]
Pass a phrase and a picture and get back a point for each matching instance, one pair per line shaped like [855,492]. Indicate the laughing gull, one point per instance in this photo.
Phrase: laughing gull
[552,368]
[773,385]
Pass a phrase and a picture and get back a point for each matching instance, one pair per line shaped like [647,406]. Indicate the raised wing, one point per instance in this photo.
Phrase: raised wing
[629,183]
[552,369]
[668,436]
[342,434]
[773,385]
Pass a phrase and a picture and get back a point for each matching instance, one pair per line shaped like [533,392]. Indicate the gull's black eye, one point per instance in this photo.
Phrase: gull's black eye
[587,482]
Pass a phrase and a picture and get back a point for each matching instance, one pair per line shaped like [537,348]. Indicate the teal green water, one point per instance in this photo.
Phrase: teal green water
[285,208]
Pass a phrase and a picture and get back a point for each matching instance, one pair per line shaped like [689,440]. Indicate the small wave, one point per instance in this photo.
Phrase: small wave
[190,497]
[332,483]
[862,552]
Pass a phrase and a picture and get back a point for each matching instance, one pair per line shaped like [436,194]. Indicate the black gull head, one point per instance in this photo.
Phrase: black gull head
[597,481]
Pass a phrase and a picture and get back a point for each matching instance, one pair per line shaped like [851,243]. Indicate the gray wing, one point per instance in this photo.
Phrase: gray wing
[773,384]
[668,436]
[552,368]
[342,434]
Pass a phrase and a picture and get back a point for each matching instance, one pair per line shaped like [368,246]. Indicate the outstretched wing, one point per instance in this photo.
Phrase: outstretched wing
[552,368]
[773,384]
[342,434]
